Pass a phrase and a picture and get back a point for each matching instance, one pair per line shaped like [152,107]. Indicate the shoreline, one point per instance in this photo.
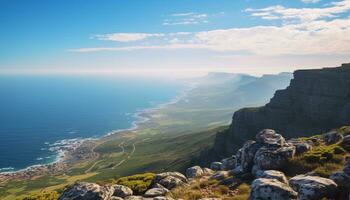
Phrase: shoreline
[66,151]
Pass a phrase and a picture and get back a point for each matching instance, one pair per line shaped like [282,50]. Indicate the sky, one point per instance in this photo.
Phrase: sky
[175,37]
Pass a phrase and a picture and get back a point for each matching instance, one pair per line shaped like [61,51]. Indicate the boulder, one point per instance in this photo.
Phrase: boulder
[116,198]
[342,178]
[171,182]
[271,189]
[207,172]
[173,174]
[220,175]
[228,163]
[270,137]
[162,198]
[267,158]
[272,174]
[154,192]
[245,157]
[122,191]
[313,187]
[332,137]
[87,191]
[216,166]
[134,198]
[194,172]
[300,146]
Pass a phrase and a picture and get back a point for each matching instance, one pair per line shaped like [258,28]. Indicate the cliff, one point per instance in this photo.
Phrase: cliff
[316,100]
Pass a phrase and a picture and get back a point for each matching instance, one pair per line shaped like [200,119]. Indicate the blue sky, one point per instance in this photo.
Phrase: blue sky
[252,36]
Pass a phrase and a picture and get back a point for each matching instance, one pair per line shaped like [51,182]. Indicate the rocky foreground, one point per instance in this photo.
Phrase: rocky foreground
[261,163]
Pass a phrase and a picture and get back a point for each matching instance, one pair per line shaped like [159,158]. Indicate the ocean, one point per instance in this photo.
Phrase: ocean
[40,113]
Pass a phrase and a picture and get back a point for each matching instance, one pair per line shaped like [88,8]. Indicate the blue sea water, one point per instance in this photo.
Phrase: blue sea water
[37,111]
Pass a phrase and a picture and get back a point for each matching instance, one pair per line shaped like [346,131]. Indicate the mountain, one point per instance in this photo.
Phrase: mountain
[316,101]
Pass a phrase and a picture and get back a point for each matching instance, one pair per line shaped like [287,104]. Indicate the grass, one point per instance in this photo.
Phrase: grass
[322,159]
[139,183]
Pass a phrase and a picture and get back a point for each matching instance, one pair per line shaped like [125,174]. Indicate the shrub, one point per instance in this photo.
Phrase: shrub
[139,183]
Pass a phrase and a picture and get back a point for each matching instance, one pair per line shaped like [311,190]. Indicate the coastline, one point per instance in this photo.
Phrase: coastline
[65,153]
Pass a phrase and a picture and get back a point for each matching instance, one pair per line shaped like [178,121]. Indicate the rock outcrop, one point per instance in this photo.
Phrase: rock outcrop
[271,189]
[269,152]
[87,191]
[313,187]
[316,101]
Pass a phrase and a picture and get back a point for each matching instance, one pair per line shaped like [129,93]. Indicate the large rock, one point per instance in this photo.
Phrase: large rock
[171,182]
[220,175]
[87,191]
[332,137]
[270,137]
[194,172]
[134,198]
[316,101]
[300,146]
[228,163]
[173,174]
[245,157]
[154,192]
[342,178]
[122,191]
[216,166]
[271,189]
[267,158]
[313,187]
[272,174]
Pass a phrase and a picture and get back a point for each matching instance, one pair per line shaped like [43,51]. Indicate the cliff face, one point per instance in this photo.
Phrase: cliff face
[316,100]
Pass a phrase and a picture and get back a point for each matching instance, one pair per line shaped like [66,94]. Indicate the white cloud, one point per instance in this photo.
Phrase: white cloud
[126,37]
[189,18]
[318,32]
[310,1]
[302,14]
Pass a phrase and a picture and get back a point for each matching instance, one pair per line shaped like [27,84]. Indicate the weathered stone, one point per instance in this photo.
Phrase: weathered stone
[271,189]
[228,163]
[87,191]
[245,157]
[332,137]
[154,192]
[194,172]
[341,179]
[216,166]
[267,158]
[207,171]
[122,191]
[162,198]
[171,182]
[134,198]
[115,198]
[300,146]
[220,175]
[173,174]
[270,137]
[313,187]
[272,174]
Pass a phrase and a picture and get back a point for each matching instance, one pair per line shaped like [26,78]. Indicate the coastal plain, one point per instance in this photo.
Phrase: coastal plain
[170,140]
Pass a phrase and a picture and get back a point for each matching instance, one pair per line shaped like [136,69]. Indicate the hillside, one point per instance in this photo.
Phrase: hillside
[316,101]
[191,123]
[267,168]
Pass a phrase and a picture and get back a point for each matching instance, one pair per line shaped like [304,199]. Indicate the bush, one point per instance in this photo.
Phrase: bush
[139,183]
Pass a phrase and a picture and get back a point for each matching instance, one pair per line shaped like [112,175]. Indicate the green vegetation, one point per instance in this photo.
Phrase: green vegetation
[322,159]
[43,196]
[139,183]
